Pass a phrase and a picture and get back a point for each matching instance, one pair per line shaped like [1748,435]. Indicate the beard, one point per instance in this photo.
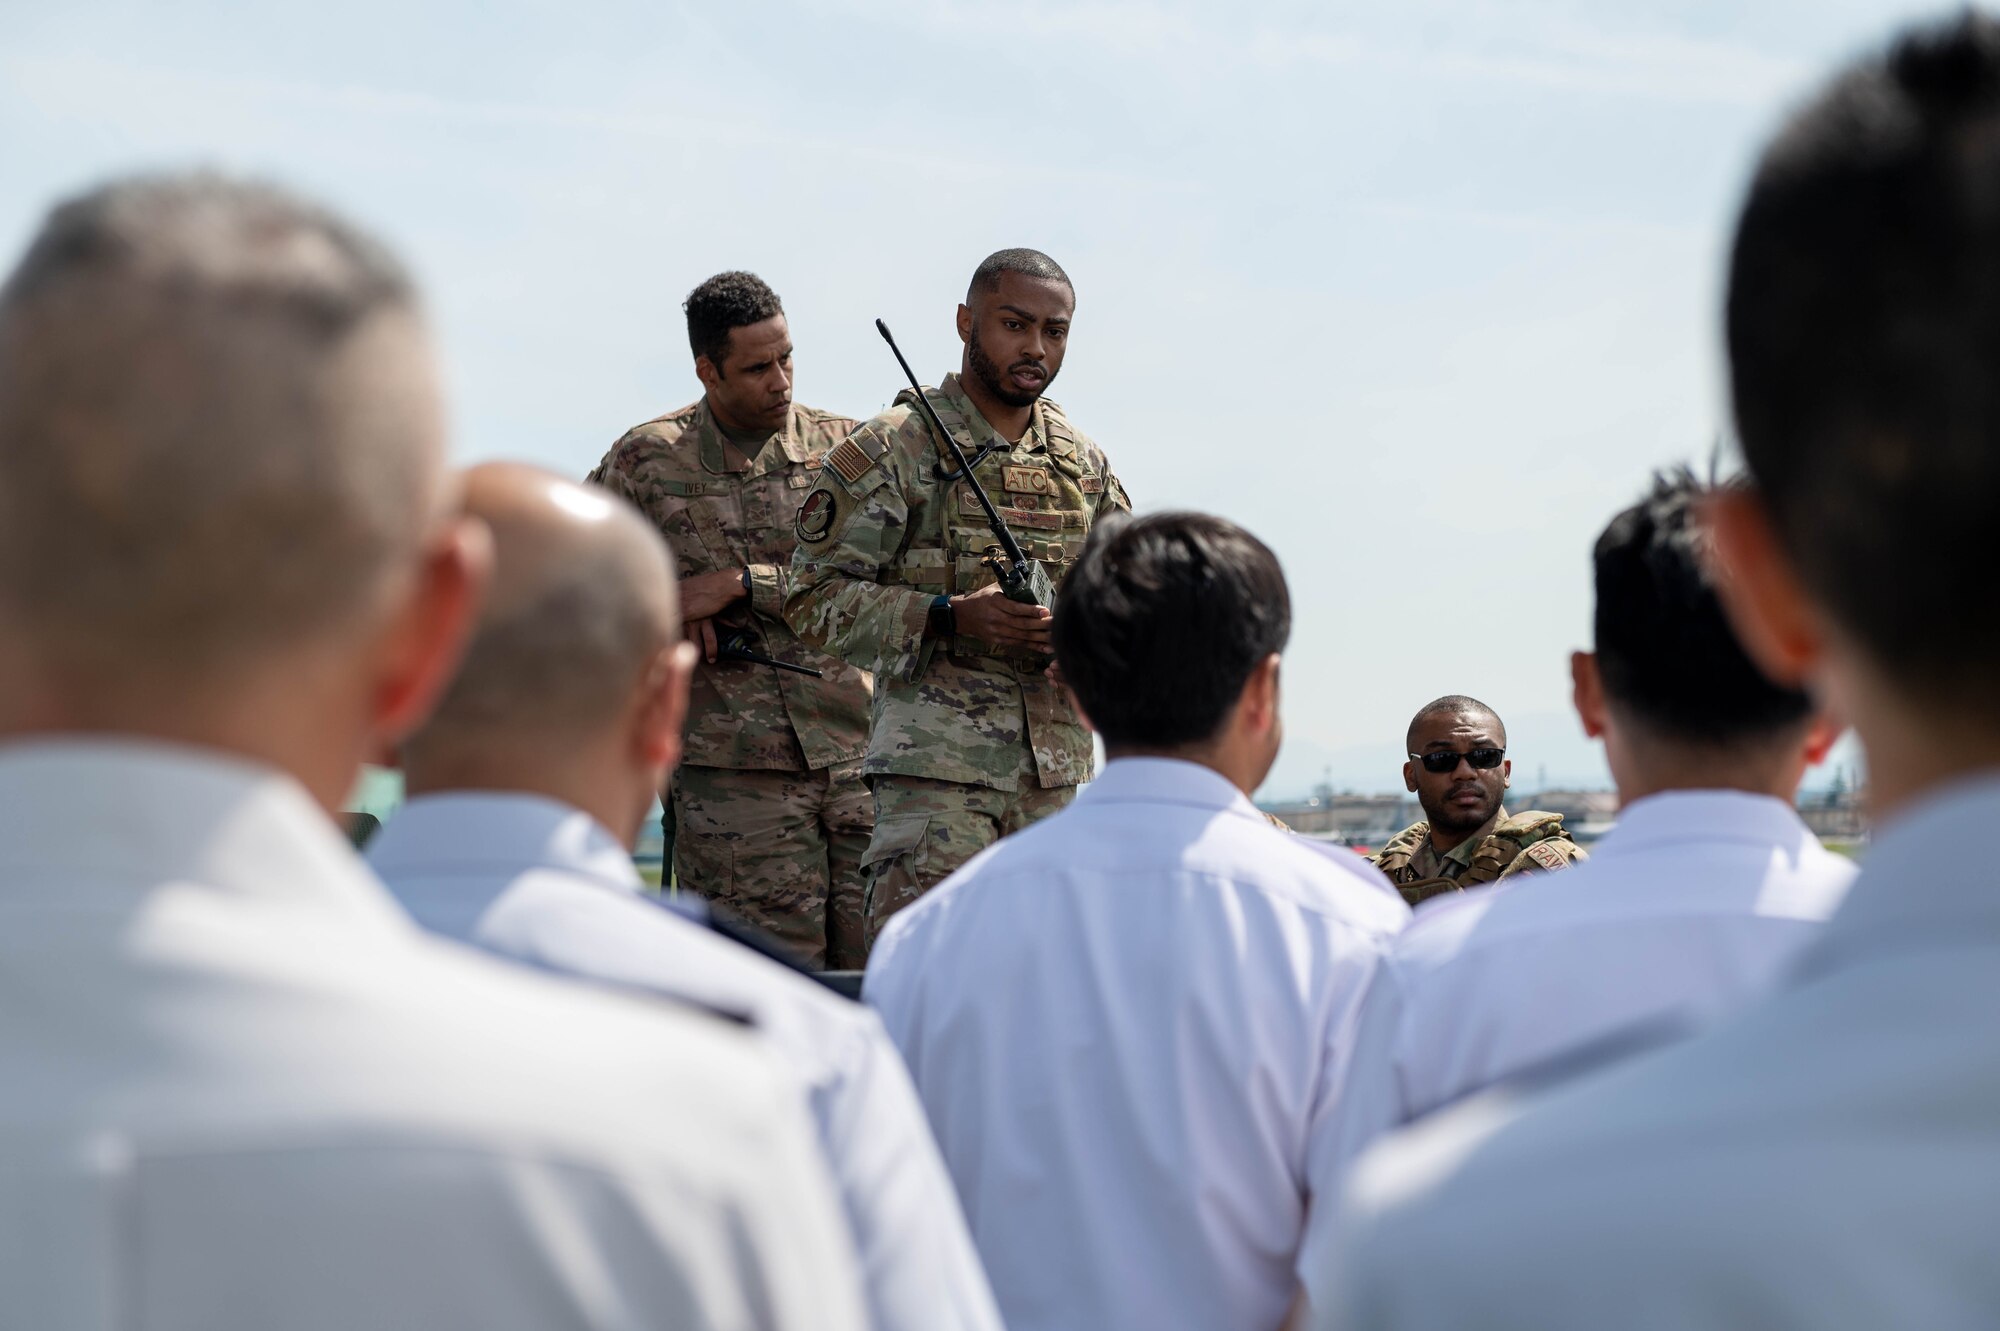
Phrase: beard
[994,380]
[1450,818]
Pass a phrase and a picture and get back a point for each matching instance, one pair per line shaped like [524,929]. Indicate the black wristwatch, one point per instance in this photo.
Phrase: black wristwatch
[942,622]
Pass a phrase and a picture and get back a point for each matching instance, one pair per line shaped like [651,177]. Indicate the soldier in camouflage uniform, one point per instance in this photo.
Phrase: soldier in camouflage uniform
[971,739]
[1458,768]
[768,811]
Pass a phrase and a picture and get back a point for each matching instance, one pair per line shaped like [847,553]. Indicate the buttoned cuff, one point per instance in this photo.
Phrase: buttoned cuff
[767,590]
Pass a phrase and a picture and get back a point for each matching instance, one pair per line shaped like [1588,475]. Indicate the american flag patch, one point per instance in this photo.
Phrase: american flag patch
[848,459]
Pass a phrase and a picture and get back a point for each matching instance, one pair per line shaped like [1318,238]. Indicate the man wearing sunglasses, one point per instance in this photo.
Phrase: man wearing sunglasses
[1458,768]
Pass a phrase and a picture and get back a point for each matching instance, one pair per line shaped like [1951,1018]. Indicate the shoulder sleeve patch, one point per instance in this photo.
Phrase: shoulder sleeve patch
[847,459]
[1547,856]
[815,517]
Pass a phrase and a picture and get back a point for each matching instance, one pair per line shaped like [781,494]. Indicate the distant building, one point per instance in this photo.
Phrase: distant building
[1353,820]
[1587,814]
[1366,821]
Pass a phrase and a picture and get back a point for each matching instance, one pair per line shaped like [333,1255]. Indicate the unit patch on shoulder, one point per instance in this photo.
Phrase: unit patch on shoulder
[1547,856]
[815,517]
[1091,485]
[849,461]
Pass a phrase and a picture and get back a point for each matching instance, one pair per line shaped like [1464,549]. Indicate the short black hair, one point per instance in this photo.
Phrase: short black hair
[1864,336]
[1665,650]
[723,303]
[1161,622]
[1029,263]
[1452,704]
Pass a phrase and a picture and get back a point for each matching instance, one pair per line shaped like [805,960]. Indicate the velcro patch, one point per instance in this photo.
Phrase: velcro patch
[849,461]
[1547,856]
[1091,485]
[1022,518]
[815,517]
[1027,480]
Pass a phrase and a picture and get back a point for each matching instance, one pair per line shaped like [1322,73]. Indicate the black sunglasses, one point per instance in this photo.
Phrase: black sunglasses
[1440,761]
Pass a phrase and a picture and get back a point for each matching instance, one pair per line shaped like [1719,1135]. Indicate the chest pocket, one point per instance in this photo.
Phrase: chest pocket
[696,516]
[770,503]
[1042,504]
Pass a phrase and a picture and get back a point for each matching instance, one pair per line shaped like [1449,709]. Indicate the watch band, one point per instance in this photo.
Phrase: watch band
[942,622]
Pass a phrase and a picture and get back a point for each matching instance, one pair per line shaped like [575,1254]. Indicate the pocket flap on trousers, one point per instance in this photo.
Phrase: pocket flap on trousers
[896,835]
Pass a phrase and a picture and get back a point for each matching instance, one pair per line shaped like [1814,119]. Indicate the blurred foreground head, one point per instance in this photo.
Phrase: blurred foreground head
[221,499]
[1669,689]
[1168,632]
[575,683]
[1864,332]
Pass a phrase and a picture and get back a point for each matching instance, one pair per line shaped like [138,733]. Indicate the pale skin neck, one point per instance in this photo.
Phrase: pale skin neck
[594,774]
[1641,767]
[1231,761]
[1911,753]
[259,716]
[1010,423]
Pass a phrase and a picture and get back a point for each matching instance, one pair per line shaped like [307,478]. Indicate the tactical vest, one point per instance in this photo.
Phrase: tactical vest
[1048,500]
[1497,853]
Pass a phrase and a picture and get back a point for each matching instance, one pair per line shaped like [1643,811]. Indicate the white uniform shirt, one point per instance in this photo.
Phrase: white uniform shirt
[1828,1158]
[1695,904]
[545,883]
[1126,1022]
[242,1092]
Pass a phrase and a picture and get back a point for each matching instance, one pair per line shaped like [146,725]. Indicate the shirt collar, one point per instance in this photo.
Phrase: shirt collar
[714,446]
[1166,781]
[1914,890]
[1681,816]
[105,818]
[499,834]
[1462,853]
[982,431]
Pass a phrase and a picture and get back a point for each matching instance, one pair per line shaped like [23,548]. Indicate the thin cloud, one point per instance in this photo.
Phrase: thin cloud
[68,84]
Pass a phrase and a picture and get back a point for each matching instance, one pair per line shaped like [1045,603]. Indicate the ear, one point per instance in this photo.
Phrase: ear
[1506,773]
[427,633]
[1076,705]
[1821,736]
[661,707]
[704,370]
[965,324]
[1257,708]
[1587,693]
[1774,618]
[1410,777]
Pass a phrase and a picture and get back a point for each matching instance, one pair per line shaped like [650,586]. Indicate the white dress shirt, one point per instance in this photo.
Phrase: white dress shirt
[1693,905]
[1125,1023]
[1827,1158]
[243,1093]
[545,883]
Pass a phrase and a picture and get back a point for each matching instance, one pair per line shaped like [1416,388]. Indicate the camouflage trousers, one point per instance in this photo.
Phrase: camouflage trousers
[781,851]
[924,830]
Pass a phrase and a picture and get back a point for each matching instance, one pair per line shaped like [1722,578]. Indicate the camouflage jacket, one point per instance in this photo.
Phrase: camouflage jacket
[1518,843]
[720,509]
[885,533]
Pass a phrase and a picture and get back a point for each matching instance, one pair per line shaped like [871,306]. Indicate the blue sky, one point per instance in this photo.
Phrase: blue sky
[1419,292]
